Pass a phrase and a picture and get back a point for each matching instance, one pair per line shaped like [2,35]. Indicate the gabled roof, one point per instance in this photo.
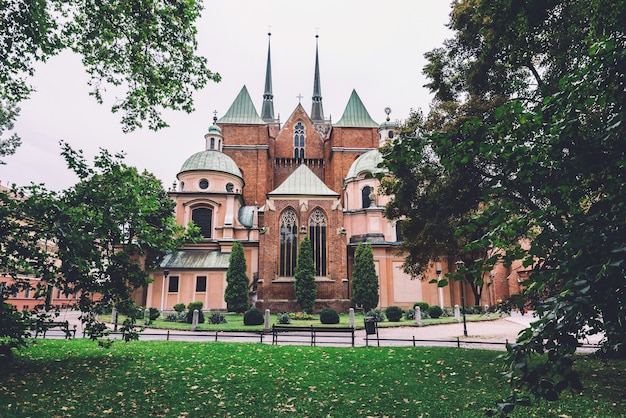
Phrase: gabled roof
[242,111]
[195,259]
[303,182]
[355,115]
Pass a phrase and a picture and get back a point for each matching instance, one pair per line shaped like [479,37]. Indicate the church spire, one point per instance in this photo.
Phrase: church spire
[267,111]
[317,112]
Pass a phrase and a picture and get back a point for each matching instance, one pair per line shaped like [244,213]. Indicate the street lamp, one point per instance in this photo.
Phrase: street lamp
[459,265]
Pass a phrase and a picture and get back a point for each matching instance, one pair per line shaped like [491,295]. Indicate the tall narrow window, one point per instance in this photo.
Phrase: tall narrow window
[172,286]
[203,217]
[317,234]
[200,283]
[288,242]
[365,197]
[298,140]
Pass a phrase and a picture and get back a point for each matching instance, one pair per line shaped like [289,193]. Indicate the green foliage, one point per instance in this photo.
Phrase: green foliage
[237,282]
[329,316]
[253,316]
[393,313]
[409,314]
[525,142]
[179,307]
[146,48]
[176,317]
[364,278]
[284,318]
[423,306]
[108,231]
[195,306]
[377,314]
[217,318]
[435,311]
[305,286]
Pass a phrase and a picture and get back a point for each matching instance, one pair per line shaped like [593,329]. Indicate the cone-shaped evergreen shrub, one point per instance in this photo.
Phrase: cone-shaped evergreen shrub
[237,282]
[306,288]
[364,278]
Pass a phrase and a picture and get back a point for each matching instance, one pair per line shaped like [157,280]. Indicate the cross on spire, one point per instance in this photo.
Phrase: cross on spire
[300,97]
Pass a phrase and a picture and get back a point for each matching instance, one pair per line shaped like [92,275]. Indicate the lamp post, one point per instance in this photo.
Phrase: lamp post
[459,265]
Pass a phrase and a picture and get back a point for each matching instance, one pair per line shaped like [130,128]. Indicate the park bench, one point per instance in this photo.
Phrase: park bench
[43,327]
[316,334]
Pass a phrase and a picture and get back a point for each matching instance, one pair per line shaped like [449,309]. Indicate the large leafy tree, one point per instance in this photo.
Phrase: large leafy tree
[365,286]
[237,282]
[528,114]
[305,286]
[98,239]
[146,48]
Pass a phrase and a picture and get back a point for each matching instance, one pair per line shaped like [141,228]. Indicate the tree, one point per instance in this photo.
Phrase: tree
[364,279]
[305,286]
[98,239]
[529,108]
[146,48]
[237,282]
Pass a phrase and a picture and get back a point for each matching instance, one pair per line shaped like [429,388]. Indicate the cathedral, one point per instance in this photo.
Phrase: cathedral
[267,184]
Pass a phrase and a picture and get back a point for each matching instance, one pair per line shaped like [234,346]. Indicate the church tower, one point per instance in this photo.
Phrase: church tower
[317,111]
[267,110]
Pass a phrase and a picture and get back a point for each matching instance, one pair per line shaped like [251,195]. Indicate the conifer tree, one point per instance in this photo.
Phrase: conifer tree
[236,294]
[306,288]
[364,278]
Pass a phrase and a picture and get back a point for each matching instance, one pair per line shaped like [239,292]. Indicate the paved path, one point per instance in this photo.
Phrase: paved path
[482,334]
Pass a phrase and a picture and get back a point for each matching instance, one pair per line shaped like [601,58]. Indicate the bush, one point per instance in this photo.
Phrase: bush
[435,311]
[329,316]
[423,306]
[253,316]
[217,318]
[377,314]
[409,314]
[179,307]
[195,306]
[393,313]
[154,314]
[176,317]
[284,318]
[302,316]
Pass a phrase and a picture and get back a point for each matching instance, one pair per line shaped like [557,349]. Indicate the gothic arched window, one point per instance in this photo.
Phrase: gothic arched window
[365,197]
[203,217]
[288,242]
[298,140]
[317,234]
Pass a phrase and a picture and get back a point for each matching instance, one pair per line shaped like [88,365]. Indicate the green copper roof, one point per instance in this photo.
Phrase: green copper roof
[196,259]
[367,162]
[355,115]
[211,160]
[303,182]
[242,111]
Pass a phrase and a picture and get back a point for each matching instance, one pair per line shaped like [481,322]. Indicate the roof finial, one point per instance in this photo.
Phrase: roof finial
[214,117]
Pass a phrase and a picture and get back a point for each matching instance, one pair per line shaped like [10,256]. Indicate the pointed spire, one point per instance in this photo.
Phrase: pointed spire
[317,112]
[267,111]
[356,115]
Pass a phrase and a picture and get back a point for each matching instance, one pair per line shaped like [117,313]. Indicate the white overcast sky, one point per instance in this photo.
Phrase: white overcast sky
[374,47]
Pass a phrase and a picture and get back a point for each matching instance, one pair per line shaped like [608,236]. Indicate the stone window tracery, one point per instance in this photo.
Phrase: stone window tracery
[318,236]
[288,242]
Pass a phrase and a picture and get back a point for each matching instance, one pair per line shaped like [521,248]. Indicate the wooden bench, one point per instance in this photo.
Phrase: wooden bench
[313,332]
[43,327]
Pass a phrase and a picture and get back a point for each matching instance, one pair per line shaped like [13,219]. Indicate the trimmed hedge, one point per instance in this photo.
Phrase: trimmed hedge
[253,316]
[329,316]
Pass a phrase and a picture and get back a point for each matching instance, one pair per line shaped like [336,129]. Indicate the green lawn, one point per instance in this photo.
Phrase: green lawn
[77,378]
[235,322]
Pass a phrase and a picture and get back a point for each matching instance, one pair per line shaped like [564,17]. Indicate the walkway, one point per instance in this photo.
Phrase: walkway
[482,334]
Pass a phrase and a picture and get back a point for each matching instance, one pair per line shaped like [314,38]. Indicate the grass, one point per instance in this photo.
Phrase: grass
[235,322]
[77,378]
